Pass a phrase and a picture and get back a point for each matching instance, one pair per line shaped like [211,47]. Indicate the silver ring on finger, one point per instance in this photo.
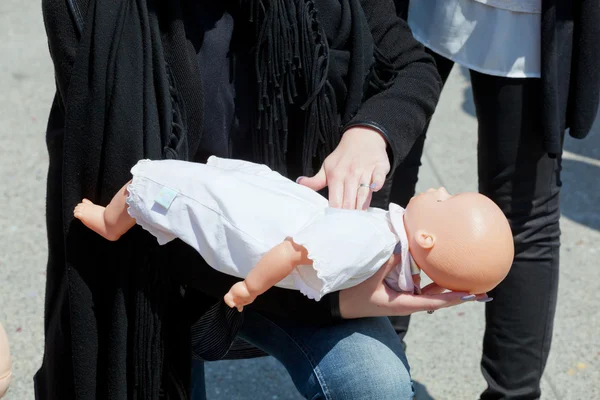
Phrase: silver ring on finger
[366,185]
[430,312]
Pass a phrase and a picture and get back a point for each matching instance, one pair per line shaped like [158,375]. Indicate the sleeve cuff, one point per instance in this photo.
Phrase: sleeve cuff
[334,305]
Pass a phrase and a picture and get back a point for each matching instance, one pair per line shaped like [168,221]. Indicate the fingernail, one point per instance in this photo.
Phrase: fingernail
[299,178]
[469,297]
[486,300]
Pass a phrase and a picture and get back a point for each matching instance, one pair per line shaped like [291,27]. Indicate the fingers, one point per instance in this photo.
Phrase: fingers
[336,191]
[432,302]
[231,302]
[317,182]
[351,191]
[357,190]
[228,298]
[404,303]
[378,177]
[359,187]
[433,288]
[363,193]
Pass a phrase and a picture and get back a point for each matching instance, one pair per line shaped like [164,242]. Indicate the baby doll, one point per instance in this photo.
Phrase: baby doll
[5,367]
[251,222]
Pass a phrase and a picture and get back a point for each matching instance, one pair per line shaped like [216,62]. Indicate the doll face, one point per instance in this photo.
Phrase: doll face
[429,198]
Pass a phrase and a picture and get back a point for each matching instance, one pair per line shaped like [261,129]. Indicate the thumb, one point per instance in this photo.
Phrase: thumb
[316,183]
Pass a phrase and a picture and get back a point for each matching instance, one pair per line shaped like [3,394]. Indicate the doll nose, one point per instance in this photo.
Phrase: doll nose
[443,193]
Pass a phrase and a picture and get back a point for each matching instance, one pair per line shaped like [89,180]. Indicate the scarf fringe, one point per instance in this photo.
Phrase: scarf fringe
[176,143]
[292,50]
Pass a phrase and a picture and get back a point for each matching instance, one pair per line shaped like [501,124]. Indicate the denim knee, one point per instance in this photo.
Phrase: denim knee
[361,367]
[389,382]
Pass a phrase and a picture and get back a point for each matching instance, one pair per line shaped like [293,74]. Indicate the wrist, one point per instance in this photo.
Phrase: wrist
[370,129]
[252,291]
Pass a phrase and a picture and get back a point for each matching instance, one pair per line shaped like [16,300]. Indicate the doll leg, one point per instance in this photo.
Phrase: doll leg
[112,221]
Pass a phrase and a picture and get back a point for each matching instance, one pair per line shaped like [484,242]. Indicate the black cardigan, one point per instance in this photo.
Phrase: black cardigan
[94,298]
[570,76]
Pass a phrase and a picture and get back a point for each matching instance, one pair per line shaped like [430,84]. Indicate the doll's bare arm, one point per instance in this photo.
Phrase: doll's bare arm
[278,263]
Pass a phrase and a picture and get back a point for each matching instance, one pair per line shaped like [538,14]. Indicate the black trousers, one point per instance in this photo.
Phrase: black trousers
[518,175]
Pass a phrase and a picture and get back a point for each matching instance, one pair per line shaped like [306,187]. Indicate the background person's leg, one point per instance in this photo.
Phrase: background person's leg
[406,177]
[354,359]
[518,175]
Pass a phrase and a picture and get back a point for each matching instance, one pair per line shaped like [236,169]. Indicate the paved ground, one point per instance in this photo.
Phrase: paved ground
[444,348]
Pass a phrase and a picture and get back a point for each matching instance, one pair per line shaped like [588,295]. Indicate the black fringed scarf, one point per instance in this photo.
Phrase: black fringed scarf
[135,93]
[291,49]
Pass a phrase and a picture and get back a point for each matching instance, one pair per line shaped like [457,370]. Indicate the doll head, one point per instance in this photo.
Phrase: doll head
[462,242]
[5,368]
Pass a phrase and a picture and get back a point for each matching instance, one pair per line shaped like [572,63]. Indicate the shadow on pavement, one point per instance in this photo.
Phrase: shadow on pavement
[468,105]
[580,194]
[421,391]
[588,147]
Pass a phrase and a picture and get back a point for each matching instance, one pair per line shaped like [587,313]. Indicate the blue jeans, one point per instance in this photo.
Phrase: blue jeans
[353,359]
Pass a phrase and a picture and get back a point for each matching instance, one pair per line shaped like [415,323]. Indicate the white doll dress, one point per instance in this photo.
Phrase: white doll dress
[233,212]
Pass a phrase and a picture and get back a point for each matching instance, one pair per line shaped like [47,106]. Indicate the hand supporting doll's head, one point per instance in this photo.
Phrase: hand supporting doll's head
[5,366]
[463,242]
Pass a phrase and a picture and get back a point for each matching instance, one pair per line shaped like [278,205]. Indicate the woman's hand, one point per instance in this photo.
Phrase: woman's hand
[353,170]
[373,298]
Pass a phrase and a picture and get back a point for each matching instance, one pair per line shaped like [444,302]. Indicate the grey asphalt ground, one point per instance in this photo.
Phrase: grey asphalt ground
[443,348]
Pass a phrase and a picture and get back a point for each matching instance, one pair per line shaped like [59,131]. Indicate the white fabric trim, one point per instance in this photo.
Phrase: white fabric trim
[486,39]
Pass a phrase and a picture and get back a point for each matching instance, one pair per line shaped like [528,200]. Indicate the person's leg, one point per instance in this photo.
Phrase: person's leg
[516,172]
[112,221]
[198,388]
[353,359]
[406,176]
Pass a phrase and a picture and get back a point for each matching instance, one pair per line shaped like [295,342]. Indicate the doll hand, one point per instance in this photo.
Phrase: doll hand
[360,159]
[239,296]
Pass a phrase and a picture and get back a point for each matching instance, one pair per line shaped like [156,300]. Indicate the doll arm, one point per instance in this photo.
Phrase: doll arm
[278,263]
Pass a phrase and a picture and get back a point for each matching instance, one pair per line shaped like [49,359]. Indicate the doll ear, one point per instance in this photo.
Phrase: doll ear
[425,240]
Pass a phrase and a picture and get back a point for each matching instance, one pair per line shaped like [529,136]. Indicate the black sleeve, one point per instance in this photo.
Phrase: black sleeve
[400,111]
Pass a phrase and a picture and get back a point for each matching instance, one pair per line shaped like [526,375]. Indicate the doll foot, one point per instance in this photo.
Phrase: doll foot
[92,216]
